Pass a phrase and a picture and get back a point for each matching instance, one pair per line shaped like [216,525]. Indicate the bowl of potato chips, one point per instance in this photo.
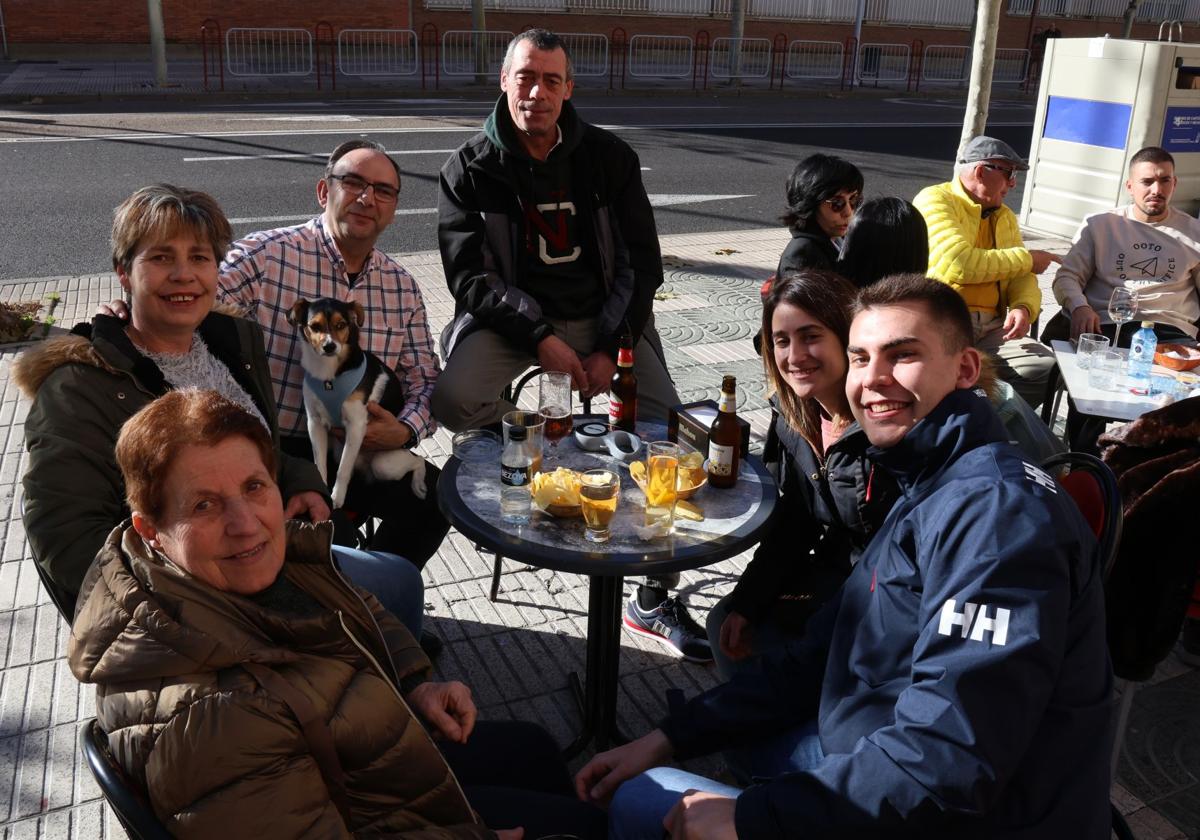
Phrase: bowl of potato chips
[689,479]
[557,492]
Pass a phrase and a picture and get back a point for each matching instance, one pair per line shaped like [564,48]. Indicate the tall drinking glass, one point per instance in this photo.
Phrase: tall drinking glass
[662,471]
[598,491]
[1122,306]
[554,404]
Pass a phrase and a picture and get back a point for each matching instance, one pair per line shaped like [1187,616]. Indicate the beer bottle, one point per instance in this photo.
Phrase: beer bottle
[725,439]
[622,393]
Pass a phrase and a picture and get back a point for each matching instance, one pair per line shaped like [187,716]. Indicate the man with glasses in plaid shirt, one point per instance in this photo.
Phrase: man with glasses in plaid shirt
[334,255]
[975,245]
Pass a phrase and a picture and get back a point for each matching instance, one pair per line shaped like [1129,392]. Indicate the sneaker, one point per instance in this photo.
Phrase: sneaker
[670,625]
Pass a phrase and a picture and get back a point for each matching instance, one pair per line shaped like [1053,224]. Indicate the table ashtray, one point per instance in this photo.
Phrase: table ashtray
[477,446]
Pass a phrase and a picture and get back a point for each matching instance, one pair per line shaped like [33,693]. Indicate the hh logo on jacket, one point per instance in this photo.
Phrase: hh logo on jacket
[975,620]
[555,226]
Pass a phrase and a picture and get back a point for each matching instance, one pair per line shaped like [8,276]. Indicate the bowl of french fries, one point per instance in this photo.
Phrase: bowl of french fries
[557,492]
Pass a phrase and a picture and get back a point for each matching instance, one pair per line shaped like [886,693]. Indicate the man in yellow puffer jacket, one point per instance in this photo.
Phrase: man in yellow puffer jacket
[975,245]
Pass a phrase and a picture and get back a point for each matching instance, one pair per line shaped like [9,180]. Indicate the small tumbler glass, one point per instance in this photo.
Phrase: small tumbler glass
[1106,368]
[598,493]
[1089,344]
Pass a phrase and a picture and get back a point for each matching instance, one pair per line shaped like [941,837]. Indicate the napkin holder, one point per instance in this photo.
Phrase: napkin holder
[690,423]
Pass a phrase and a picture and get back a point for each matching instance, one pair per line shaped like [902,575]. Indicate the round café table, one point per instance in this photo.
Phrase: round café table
[469,496]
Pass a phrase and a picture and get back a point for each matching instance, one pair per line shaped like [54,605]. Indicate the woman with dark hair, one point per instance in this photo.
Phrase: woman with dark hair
[822,194]
[888,236]
[831,500]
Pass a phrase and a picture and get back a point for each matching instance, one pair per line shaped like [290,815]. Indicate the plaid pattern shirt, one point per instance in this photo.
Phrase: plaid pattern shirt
[268,271]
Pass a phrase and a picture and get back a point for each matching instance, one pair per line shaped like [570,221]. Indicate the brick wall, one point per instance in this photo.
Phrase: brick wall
[125,21]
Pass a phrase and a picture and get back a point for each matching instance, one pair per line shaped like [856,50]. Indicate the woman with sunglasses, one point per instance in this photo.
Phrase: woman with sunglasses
[822,194]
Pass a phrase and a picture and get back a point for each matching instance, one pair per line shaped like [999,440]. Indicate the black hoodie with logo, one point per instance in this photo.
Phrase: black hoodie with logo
[524,240]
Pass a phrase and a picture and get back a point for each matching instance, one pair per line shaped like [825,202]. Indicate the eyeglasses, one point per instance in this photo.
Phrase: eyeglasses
[837,204]
[1009,174]
[358,186]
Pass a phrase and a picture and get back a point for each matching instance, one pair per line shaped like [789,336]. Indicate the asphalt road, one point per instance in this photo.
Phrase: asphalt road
[710,163]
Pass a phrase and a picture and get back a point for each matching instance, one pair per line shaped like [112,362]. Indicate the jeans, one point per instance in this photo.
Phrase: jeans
[767,635]
[513,775]
[393,580]
[641,804]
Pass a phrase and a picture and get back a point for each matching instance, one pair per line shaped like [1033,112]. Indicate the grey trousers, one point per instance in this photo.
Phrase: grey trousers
[1024,363]
[467,394]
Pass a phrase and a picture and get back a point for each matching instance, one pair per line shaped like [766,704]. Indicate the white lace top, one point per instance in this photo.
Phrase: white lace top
[199,368]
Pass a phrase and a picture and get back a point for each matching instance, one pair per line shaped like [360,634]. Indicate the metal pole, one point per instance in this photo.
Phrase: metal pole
[412,24]
[1130,14]
[3,32]
[1032,18]
[158,42]
[737,30]
[858,22]
[479,26]
[979,92]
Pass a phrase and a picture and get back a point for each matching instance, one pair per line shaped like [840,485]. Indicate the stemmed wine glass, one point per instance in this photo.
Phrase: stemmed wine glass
[554,404]
[1122,306]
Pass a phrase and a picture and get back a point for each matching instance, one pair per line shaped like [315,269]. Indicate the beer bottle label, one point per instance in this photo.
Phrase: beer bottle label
[625,357]
[728,403]
[517,476]
[720,459]
[616,407]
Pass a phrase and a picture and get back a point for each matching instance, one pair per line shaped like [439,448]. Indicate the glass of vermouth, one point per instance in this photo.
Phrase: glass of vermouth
[598,493]
[662,470]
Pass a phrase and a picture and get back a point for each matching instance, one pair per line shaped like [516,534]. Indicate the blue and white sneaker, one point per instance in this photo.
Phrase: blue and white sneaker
[670,625]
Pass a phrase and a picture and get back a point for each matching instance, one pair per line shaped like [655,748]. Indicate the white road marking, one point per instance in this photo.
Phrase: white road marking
[473,129]
[656,200]
[669,199]
[320,155]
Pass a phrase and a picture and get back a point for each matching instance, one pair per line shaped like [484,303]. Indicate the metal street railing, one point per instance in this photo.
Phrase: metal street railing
[378,52]
[743,58]
[1011,66]
[589,53]
[468,52]
[268,52]
[883,63]
[815,60]
[1153,11]
[660,56]
[943,63]
[956,13]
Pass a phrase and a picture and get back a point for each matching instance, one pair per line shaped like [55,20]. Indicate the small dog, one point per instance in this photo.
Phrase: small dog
[340,378]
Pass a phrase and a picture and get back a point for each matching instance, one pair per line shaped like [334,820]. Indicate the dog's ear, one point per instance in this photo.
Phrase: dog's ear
[298,314]
[360,314]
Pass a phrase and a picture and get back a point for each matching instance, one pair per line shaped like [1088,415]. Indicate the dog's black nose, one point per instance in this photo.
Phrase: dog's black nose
[329,348]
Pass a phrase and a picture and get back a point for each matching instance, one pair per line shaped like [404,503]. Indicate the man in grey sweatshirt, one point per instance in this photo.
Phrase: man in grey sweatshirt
[1147,246]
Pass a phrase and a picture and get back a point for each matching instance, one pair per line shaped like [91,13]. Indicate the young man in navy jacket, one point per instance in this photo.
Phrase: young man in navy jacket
[959,682]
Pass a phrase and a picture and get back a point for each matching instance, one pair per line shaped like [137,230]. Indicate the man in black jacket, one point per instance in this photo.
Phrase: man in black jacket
[550,250]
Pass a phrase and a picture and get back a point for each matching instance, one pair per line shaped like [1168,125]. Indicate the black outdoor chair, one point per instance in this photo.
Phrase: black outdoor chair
[512,393]
[127,800]
[1093,486]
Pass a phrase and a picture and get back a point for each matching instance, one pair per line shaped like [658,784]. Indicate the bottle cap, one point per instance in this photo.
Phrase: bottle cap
[517,433]
[1148,324]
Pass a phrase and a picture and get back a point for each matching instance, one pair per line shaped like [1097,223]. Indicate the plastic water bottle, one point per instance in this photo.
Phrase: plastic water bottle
[516,473]
[1141,357]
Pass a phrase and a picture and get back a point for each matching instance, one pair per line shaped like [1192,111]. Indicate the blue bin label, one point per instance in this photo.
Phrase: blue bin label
[1181,130]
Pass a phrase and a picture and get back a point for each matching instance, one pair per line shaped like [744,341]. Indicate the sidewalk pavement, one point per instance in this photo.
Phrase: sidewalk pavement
[514,653]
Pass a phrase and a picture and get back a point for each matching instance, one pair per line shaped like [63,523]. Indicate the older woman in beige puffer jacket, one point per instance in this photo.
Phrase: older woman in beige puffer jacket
[251,691]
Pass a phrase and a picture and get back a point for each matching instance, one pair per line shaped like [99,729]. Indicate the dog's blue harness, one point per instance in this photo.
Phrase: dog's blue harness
[333,392]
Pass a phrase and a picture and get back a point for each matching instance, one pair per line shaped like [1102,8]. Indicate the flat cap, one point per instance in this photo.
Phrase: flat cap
[989,148]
